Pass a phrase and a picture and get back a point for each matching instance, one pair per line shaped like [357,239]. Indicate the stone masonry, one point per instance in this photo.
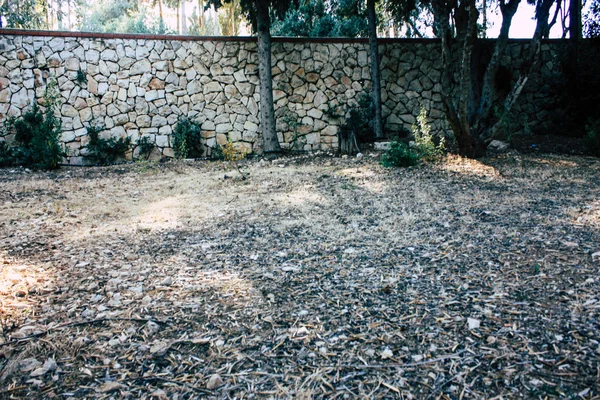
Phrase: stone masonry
[141,87]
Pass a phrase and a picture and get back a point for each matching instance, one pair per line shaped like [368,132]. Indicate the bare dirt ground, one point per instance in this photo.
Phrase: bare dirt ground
[316,277]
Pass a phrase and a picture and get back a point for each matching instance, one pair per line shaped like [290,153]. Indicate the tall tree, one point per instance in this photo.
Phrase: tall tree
[375,70]
[469,106]
[259,14]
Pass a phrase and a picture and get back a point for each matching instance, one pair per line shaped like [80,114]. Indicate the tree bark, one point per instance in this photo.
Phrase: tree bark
[177,7]
[575,20]
[375,70]
[464,140]
[267,111]
[183,19]
[488,90]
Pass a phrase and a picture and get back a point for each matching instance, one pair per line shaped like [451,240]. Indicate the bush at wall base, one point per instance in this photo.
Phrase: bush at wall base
[106,151]
[187,139]
[37,138]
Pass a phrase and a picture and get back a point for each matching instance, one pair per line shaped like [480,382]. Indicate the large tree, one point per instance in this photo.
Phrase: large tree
[258,13]
[375,70]
[468,104]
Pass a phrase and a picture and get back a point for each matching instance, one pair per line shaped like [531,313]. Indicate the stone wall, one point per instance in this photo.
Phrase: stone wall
[139,86]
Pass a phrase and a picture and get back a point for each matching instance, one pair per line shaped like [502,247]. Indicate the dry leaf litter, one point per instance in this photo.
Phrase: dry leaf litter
[316,277]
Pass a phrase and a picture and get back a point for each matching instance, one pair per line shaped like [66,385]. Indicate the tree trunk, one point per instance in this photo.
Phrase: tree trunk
[375,70]
[267,111]
[464,140]
[575,20]
[160,10]
[488,90]
[183,19]
[177,16]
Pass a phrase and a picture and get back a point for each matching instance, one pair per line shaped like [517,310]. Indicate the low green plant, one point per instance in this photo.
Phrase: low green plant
[510,122]
[106,151]
[7,156]
[425,145]
[592,137]
[146,146]
[399,155]
[233,155]
[216,153]
[81,78]
[187,139]
[292,120]
[37,134]
[360,119]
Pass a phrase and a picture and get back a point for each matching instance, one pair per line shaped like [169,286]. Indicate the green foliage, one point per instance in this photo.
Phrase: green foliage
[319,18]
[187,139]
[360,119]
[425,145]
[7,156]
[81,78]
[399,155]
[123,16]
[292,120]
[24,14]
[146,146]
[592,137]
[37,134]
[216,153]
[106,151]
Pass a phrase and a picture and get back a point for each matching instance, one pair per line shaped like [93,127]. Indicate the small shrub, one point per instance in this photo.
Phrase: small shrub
[146,146]
[216,153]
[7,156]
[187,139]
[399,155]
[106,151]
[592,137]
[360,119]
[36,135]
[232,155]
[424,141]
[81,78]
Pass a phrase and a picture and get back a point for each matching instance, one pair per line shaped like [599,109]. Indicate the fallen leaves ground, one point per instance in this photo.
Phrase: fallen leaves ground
[316,277]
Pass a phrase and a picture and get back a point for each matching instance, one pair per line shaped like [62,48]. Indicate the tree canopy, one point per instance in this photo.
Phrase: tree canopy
[320,18]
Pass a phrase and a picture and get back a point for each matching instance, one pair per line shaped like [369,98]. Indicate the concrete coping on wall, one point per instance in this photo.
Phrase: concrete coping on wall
[98,35]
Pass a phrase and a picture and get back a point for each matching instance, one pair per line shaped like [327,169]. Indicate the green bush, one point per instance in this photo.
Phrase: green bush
[7,156]
[187,139]
[399,155]
[146,146]
[592,137]
[36,135]
[424,141]
[360,119]
[106,151]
